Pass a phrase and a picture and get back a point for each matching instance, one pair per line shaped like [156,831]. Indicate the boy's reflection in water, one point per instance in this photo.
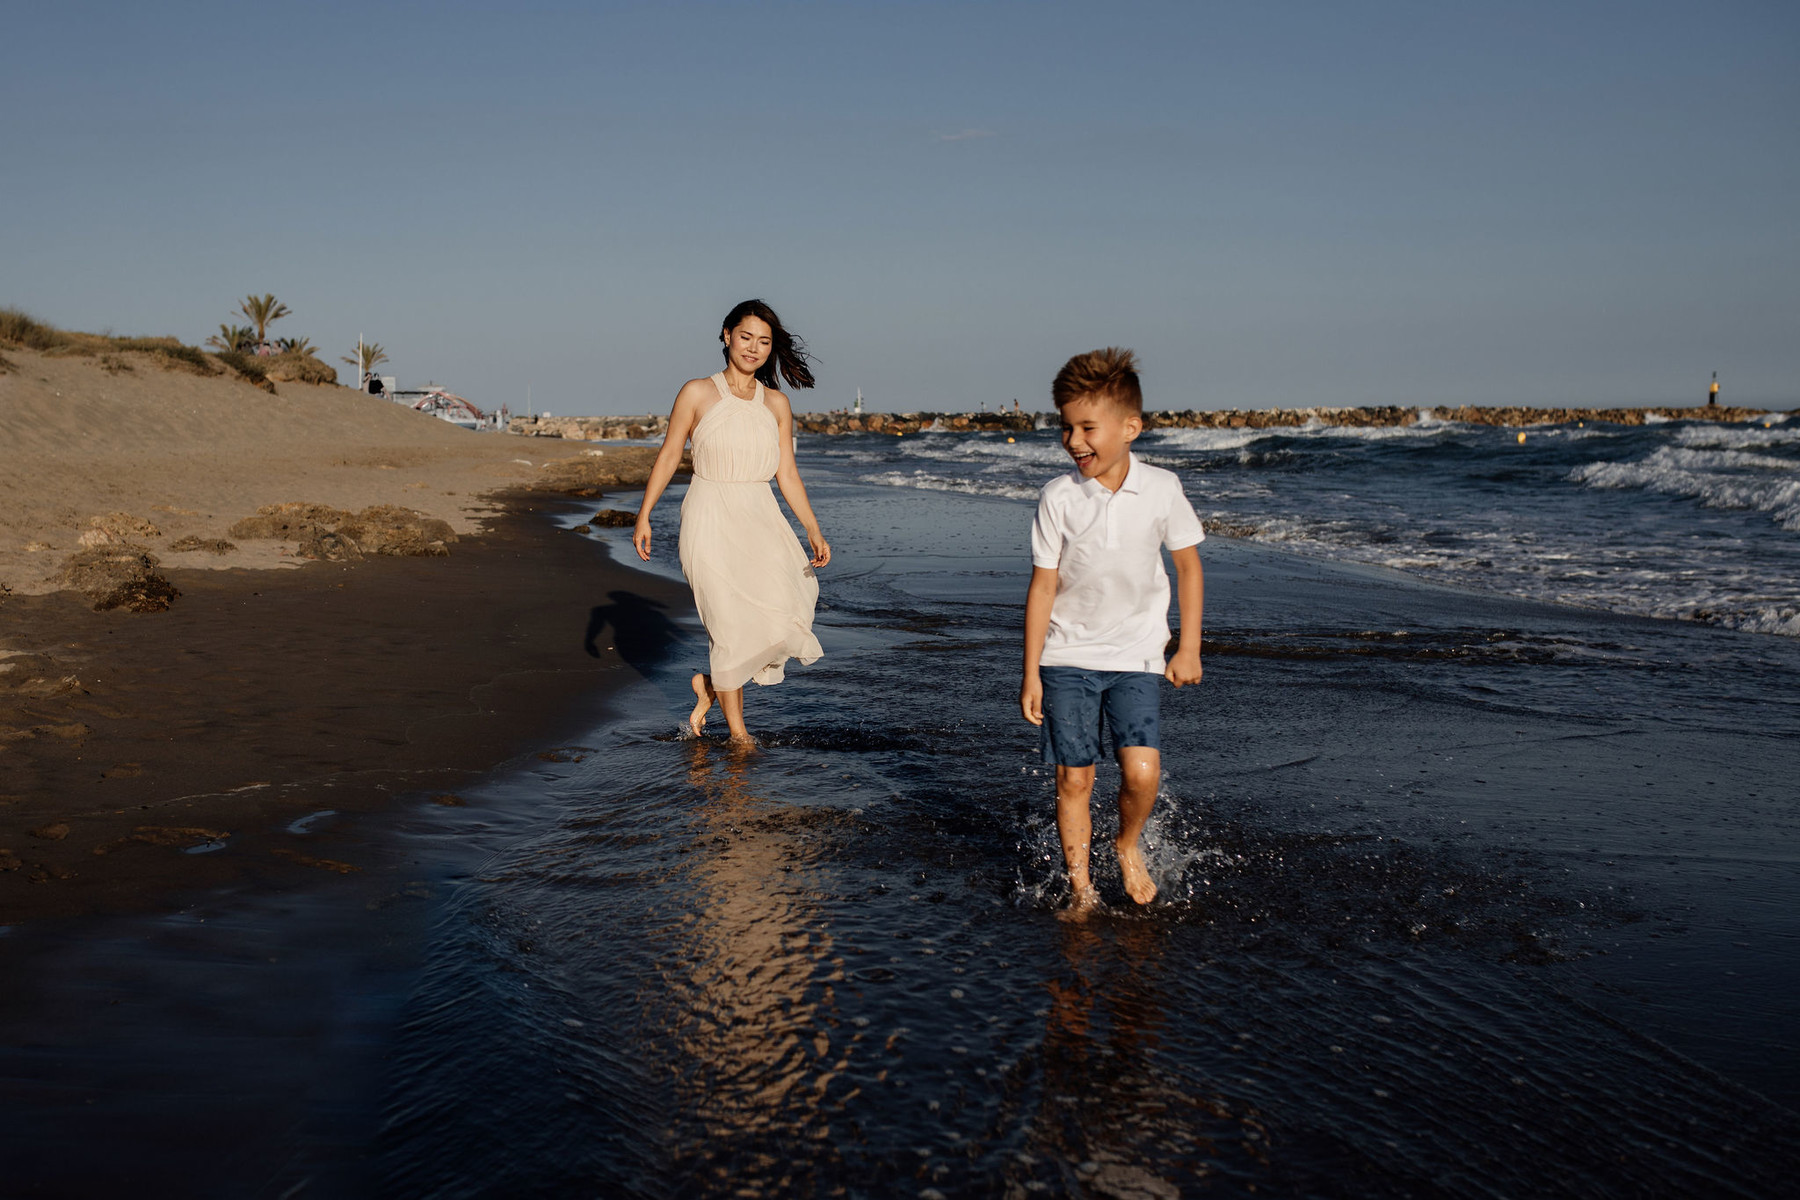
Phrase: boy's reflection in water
[752,1004]
[1111,1110]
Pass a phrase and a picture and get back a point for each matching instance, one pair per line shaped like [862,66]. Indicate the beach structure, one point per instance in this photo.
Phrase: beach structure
[448,406]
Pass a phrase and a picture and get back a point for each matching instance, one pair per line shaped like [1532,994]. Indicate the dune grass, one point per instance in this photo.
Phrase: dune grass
[21,329]
[244,364]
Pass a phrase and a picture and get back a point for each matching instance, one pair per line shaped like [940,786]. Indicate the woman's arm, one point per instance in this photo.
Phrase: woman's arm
[787,477]
[681,423]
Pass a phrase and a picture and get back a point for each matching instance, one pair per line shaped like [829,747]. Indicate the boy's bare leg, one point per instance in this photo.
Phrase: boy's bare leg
[1140,774]
[1074,827]
[703,689]
[732,705]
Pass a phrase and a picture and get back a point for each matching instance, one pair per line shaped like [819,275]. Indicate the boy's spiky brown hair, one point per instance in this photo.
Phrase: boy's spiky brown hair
[1111,372]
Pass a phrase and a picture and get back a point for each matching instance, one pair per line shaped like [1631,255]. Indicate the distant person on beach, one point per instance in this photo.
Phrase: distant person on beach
[753,585]
[1097,612]
[1712,393]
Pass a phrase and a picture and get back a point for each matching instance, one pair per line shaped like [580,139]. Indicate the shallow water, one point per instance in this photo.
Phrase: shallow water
[1461,895]
[1388,848]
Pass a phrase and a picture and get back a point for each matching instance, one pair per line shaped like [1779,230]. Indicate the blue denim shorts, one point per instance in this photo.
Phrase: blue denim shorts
[1074,700]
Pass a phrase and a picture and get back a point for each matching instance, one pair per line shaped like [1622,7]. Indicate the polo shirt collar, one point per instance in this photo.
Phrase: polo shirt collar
[1133,481]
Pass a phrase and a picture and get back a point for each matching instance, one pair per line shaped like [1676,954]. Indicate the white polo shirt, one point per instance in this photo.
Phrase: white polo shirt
[1112,594]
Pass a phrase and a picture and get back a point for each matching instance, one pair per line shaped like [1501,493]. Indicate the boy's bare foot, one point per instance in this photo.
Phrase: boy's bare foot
[702,706]
[1083,903]
[1138,884]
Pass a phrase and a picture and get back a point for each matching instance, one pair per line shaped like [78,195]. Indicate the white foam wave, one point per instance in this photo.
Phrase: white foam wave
[918,478]
[1783,620]
[1201,439]
[1737,436]
[1694,474]
[966,449]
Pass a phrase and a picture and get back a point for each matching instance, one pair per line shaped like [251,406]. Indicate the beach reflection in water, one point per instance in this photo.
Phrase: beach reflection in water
[1415,937]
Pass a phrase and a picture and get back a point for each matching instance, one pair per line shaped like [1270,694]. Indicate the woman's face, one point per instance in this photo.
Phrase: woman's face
[749,344]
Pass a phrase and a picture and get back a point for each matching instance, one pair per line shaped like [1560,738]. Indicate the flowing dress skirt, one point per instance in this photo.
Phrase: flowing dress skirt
[753,584]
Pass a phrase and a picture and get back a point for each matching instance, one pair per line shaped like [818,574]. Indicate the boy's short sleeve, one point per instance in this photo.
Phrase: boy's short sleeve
[1183,528]
[1046,536]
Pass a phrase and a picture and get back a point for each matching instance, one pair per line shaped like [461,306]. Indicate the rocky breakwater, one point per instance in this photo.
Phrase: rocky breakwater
[594,429]
[1395,415]
[605,429]
[913,422]
[590,429]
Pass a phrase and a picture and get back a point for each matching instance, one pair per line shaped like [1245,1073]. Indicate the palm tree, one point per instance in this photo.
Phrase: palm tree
[231,337]
[263,311]
[299,345]
[371,355]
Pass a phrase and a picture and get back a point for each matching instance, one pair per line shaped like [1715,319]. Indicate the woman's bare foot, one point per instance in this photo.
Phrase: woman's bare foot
[1137,880]
[1083,903]
[702,706]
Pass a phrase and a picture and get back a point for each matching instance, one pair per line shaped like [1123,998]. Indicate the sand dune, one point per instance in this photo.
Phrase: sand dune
[192,455]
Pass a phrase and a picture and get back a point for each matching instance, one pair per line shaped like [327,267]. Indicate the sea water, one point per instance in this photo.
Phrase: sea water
[1463,893]
[1693,520]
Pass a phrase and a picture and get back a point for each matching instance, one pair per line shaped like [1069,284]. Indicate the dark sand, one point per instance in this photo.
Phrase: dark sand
[264,695]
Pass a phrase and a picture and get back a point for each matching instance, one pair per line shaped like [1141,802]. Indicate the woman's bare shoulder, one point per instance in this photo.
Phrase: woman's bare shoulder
[696,391]
[776,400]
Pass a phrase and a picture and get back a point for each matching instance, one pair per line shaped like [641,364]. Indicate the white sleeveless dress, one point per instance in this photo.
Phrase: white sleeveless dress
[753,584]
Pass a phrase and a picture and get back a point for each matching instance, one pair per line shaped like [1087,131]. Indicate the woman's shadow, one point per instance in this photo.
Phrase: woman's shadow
[643,634]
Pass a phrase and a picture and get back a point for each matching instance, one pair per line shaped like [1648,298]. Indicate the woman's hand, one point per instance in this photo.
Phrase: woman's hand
[640,537]
[821,549]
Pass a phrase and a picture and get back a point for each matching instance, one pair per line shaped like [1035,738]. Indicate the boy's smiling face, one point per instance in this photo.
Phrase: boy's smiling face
[1098,434]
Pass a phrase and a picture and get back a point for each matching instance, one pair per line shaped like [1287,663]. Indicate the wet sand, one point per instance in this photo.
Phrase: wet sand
[264,695]
[135,746]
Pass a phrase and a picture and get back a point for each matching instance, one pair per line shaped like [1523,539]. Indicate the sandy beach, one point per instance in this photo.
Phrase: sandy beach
[132,740]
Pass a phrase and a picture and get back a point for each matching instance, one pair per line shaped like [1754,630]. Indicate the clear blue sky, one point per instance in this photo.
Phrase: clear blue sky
[1276,204]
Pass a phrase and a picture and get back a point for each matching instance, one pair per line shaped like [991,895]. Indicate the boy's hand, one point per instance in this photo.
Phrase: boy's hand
[1183,668]
[1031,698]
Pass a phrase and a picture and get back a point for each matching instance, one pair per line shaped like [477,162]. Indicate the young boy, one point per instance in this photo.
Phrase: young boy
[1097,614]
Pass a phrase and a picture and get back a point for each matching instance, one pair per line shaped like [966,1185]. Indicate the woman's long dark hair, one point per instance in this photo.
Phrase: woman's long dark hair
[787,352]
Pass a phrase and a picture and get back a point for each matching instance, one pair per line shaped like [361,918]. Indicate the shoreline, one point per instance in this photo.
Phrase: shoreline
[176,750]
[174,692]
[638,428]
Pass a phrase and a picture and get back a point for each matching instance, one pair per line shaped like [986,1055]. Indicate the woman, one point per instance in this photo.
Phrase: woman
[753,585]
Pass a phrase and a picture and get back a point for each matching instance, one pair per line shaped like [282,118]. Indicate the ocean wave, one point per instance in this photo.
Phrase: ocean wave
[1201,439]
[1692,474]
[1693,459]
[1424,427]
[1783,620]
[918,478]
[1738,436]
[976,449]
